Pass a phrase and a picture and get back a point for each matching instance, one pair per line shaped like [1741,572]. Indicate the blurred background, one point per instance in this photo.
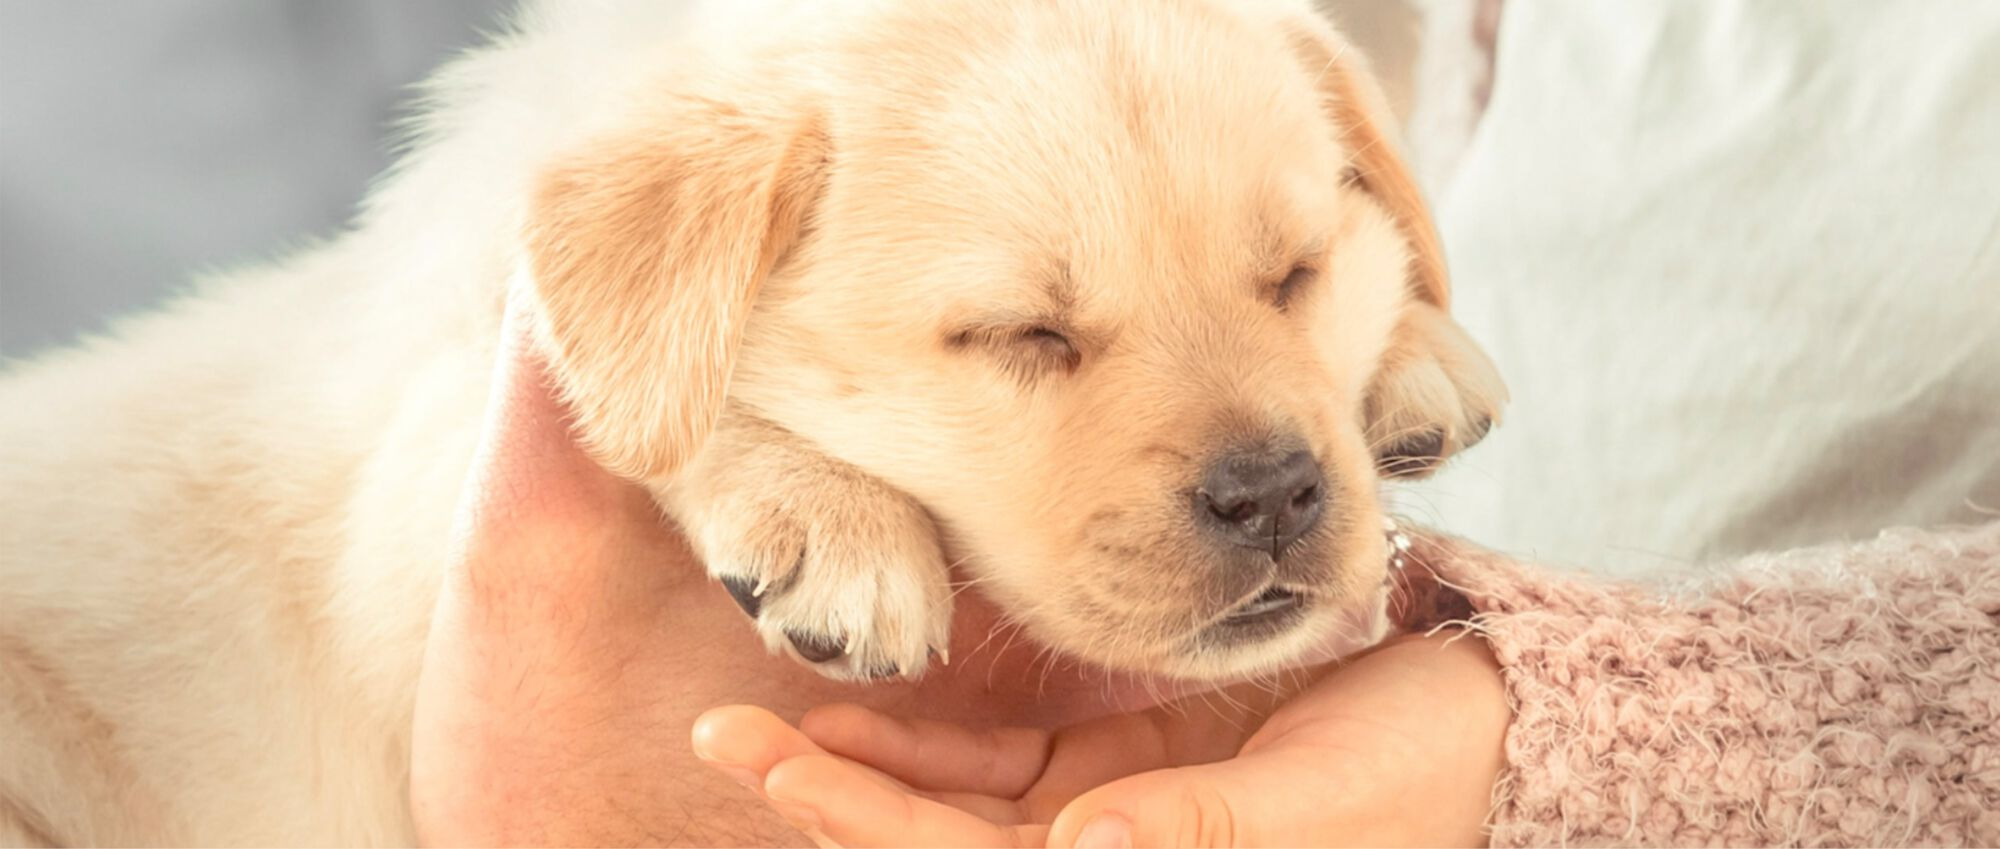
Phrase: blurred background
[1738,260]
[141,142]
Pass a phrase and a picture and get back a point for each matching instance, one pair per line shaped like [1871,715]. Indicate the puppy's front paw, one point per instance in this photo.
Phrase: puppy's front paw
[835,567]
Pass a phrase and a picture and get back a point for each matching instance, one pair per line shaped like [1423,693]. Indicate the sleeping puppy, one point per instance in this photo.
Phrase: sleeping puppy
[1060,289]
[1124,308]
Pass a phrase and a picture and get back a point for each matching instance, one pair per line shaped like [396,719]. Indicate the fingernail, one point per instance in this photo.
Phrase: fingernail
[1105,831]
[801,817]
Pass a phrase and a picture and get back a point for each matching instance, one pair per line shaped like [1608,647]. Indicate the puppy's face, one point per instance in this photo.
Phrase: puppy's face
[1122,294]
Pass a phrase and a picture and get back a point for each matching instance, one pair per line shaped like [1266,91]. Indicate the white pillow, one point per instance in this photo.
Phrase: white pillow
[1740,264]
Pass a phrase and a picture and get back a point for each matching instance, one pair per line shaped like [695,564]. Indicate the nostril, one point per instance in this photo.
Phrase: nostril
[1231,510]
[1262,501]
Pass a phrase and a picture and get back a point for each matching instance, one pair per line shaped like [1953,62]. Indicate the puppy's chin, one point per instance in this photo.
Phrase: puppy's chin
[1326,598]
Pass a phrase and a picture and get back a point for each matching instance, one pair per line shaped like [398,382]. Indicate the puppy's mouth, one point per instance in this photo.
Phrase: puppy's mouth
[1273,602]
[1274,610]
[1294,615]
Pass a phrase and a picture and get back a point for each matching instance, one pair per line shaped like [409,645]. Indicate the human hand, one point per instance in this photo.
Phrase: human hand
[567,634]
[1398,747]
[576,639]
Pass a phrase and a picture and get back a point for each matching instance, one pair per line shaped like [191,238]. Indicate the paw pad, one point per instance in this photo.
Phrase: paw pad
[745,594]
[817,648]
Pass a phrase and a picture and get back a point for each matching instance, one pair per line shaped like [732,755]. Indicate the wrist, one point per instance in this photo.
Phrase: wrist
[1461,669]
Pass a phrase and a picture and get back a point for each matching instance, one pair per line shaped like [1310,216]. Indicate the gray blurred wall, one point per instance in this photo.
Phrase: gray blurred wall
[144,140]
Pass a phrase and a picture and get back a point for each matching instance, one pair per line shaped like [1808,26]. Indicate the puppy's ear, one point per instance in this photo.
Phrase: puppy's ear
[1361,112]
[1435,393]
[647,250]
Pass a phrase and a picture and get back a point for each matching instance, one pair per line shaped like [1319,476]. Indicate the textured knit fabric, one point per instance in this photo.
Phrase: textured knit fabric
[1838,696]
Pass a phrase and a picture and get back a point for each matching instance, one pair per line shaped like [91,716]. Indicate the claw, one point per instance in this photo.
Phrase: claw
[741,594]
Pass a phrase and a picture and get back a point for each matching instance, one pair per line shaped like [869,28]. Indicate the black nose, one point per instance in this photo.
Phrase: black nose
[1263,500]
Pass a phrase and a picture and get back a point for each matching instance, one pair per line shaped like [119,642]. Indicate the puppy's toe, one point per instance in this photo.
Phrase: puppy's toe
[837,568]
[744,593]
[868,600]
[816,648]
[853,585]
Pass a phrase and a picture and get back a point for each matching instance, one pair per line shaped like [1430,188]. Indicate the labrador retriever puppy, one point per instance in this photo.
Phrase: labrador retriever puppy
[1121,310]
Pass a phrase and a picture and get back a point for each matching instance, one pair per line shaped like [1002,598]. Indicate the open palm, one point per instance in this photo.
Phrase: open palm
[1397,747]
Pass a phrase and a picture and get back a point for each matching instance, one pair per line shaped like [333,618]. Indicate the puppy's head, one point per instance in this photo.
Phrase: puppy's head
[1135,297]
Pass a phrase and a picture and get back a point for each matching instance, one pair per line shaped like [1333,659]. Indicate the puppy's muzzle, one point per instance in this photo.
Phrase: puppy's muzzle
[1263,500]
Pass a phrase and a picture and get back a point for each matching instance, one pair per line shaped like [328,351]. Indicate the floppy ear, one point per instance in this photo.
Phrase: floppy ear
[1349,94]
[1434,393]
[647,250]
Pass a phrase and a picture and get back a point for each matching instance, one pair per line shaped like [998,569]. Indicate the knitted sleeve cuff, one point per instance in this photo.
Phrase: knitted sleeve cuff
[1829,696]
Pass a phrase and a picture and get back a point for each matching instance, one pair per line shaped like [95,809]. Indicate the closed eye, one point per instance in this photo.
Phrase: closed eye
[1026,351]
[1049,346]
[1294,285]
[1049,339]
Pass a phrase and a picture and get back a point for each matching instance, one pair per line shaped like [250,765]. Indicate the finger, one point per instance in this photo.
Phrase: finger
[745,741]
[1009,776]
[850,809]
[936,756]
[1274,799]
[1195,731]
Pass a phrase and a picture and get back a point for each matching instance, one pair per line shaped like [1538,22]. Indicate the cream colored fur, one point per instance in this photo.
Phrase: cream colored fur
[777,255]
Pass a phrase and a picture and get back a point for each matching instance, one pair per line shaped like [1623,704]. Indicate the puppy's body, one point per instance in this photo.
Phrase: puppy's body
[221,526]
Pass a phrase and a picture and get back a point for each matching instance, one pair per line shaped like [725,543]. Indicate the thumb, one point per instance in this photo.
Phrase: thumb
[1273,798]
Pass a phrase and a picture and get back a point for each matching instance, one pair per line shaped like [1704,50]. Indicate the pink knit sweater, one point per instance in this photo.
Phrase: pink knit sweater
[1834,696]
